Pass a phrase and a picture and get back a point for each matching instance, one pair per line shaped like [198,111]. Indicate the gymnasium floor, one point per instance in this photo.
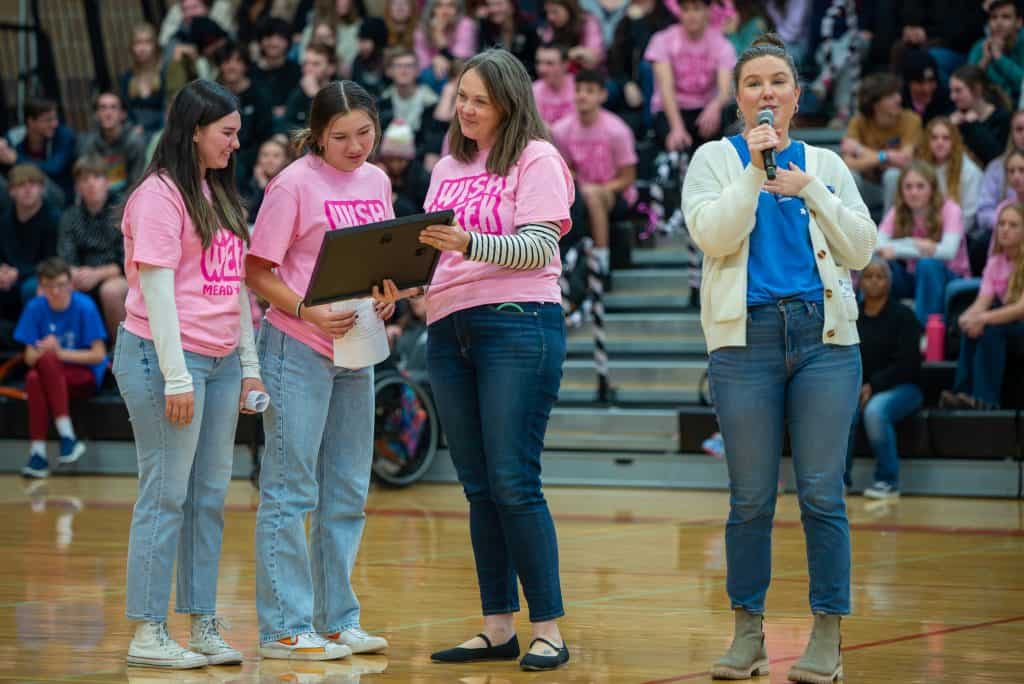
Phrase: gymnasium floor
[938,588]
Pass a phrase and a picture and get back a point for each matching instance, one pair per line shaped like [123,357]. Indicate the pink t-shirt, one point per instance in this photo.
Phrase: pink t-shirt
[695,64]
[159,232]
[537,189]
[591,38]
[555,104]
[596,153]
[461,42]
[302,203]
[995,279]
[952,222]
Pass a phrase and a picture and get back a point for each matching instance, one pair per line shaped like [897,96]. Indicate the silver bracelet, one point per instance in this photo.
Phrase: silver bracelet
[298,309]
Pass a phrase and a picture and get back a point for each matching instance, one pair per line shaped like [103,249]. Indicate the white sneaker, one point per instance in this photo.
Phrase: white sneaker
[882,490]
[358,640]
[309,646]
[206,639]
[152,646]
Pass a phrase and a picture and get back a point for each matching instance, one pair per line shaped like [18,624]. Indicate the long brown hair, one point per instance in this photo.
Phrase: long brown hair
[571,34]
[904,223]
[975,78]
[337,98]
[401,34]
[510,90]
[145,77]
[955,163]
[1015,288]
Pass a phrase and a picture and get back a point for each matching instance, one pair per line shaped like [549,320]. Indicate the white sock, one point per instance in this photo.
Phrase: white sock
[38,447]
[64,428]
[603,257]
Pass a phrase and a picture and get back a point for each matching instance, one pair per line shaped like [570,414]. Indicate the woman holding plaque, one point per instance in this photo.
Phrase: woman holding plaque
[319,426]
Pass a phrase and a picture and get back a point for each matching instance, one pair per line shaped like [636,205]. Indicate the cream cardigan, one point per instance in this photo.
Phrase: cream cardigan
[719,201]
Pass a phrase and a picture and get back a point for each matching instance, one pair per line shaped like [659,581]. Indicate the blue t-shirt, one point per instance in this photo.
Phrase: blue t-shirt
[781,262]
[77,327]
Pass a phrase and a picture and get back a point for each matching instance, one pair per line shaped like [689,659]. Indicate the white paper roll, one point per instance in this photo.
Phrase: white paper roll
[366,343]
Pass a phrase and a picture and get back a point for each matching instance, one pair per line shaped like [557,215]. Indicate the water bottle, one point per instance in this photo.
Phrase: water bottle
[935,338]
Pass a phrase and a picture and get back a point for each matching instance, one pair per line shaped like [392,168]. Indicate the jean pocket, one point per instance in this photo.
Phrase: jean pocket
[514,309]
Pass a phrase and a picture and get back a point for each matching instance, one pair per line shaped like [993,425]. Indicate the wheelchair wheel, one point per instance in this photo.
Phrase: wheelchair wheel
[406,429]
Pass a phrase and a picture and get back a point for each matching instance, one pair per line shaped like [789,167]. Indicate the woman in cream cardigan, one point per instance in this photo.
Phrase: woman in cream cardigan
[779,315]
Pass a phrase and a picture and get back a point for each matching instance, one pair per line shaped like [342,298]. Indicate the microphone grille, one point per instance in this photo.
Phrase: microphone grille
[766,116]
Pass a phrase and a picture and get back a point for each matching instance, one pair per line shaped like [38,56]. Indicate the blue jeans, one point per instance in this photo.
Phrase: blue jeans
[927,285]
[319,447]
[982,362]
[785,377]
[880,416]
[183,478]
[495,376]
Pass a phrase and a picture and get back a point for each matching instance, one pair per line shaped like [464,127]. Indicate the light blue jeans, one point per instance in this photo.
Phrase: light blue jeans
[319,448]
[785,378]
[183,478]
[881,414]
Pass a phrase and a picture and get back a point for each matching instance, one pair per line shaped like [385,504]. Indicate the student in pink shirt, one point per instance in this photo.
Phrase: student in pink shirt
[922,238]
[692,76]
[569,25]
[319,426]
[554,90]
[496,343]
[994,320]
[185,361]
[444,34]
[600,149]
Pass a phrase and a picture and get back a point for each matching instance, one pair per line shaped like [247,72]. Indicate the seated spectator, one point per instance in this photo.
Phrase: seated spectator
[275,71]
[254,105]
[90,243]
[922,92]
[28,233]
[608,14]
[995,317]
[880,140]
[554,90]
[959,177]
[981,113]
[444,34]
[750,21]
[693,79]
[994,188]
[505,26]
[599,148]
[319,67]
[66,350]
[891,363]
[630,75]
[922,239]
[142,86]
[180,15]
[193,53]
[274,155]
[1001,53]
[409,180]
[122,149]
[567,24]
[50,145]
[792,22]
[410,102]
[368,69]
[401,19]
[346,18]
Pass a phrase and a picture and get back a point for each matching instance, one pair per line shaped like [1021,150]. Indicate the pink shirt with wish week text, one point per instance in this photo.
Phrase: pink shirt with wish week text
[537,189]
[302,203]
[159,232]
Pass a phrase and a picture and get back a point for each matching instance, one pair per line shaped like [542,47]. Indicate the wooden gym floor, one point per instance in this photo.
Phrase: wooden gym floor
[938,588]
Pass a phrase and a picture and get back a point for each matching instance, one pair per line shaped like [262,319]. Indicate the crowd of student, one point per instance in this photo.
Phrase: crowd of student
[931,132]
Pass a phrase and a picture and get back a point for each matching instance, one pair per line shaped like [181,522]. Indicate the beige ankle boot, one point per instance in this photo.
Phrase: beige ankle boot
[821,663]
[746,656]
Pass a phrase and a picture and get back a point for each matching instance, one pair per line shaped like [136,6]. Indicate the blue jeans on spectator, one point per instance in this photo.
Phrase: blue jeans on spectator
[927,285]
[319,448]
[495,376]
[183,479]
[880,416]
[982,362]
[785,376]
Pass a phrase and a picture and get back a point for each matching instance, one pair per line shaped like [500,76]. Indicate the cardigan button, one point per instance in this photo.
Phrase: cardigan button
[821,254]
[828,294]
[830,333]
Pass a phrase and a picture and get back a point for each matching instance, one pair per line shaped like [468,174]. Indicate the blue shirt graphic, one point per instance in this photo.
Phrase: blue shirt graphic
[781,262]
[77,327]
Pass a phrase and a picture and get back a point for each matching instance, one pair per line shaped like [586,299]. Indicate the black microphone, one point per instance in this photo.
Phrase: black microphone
[767,116]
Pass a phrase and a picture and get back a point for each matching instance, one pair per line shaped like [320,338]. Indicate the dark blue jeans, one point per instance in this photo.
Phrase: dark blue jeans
[982,362]
[495,376]
[786,378]
[880,416]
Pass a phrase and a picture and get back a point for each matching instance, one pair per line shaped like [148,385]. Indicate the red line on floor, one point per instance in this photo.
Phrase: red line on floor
[858,647]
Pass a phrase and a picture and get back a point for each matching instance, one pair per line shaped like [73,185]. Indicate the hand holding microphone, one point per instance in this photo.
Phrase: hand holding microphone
[764,139]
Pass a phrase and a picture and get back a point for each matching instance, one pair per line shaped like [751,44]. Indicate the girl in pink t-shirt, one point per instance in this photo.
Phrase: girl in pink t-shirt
[570,25]
[994,319]
[444,34]
[496,343]
[185,363]
[319,426]
[922,237]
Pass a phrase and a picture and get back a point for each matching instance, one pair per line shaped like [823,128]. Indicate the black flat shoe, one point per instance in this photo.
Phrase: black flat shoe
[506,651]
[533,662]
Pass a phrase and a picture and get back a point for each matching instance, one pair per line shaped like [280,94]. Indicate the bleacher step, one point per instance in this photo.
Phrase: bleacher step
[659,381]
[612,429]
[643,333]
